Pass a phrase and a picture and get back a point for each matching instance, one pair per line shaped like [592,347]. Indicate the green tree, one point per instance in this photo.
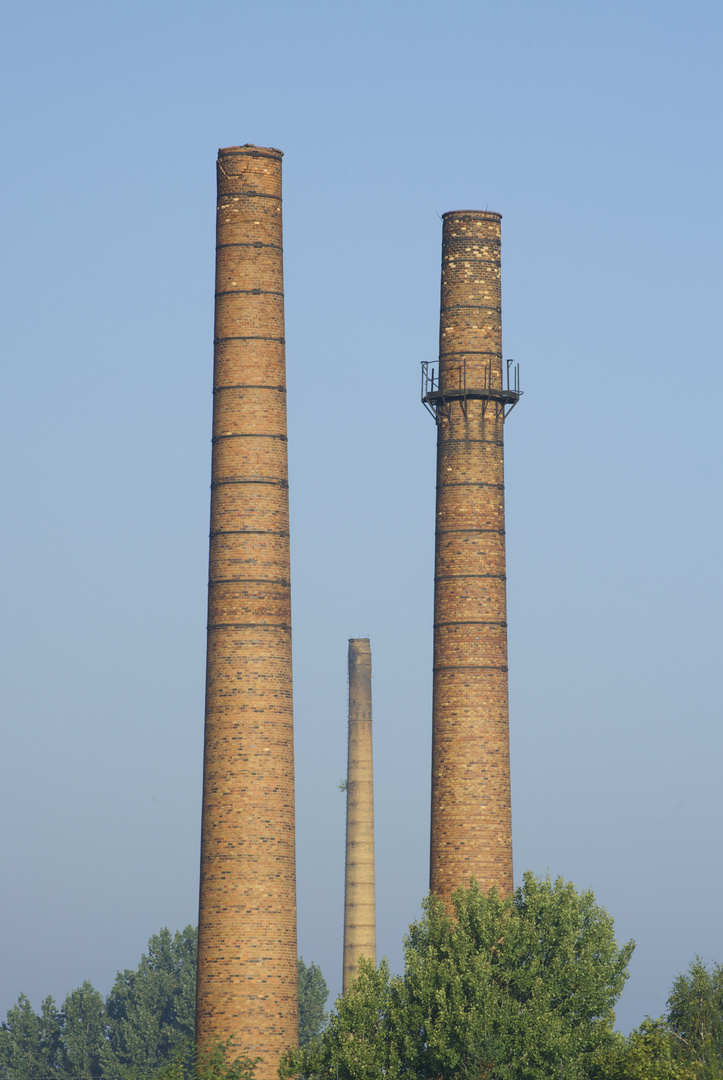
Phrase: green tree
[212,1066]
[85,1051]
[357,1040]
[313,993]
[30,1044]
[695,1014]
[652,1052]
[517,989]
[151,1011]
[145,1027]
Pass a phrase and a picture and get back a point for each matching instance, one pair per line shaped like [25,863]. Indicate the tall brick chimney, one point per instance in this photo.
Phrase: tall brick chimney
[360,928]
[471,831]
[247,958]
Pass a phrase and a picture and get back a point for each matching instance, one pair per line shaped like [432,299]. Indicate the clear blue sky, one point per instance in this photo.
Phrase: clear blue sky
[594,128]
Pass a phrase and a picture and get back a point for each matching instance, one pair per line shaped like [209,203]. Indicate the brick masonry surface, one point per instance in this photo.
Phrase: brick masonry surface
[471,831]
[247,957]
[360,930]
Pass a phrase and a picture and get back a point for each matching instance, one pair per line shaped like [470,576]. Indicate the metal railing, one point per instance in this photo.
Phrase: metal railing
[456,388]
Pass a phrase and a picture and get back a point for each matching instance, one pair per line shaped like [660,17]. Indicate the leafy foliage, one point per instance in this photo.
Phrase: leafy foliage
[652,1052]
[695,1014]
[211,1066]
[151,1011]
[313,993]
[146,1022]
[516,989]
[356,1042]
[84,1048]
[30,1044]
[145,1027]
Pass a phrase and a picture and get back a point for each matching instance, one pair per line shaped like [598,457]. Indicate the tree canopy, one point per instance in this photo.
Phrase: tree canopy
[519,988]
[146,1021]
[695,1014]
[151,1011]
[515,989]
[313,993]
[144,1028]
[651,1052]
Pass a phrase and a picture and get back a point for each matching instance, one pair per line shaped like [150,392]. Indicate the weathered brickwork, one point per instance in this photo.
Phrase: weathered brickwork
[360,928]
[247,959]
[471,834]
